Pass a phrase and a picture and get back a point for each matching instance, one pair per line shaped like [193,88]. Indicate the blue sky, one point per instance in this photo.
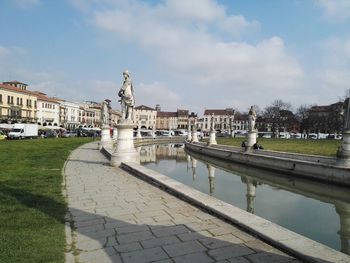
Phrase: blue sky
[181,54]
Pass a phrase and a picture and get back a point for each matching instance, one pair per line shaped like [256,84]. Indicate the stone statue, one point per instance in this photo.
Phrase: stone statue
[346,115]
[104,114]
[212,122]
[126,94]
[252,118]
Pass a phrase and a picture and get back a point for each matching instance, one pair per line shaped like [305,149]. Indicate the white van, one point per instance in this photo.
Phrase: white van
[23,130]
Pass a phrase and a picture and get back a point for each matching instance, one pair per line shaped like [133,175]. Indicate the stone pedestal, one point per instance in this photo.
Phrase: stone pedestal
[194,136]
[343,153]
[125,150]
[115,134]
[106,140]
[138,134]
[212,137]
[251,140]
[189,136]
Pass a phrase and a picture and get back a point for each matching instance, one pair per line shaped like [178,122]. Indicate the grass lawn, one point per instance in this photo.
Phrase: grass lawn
[314,147]
[32,208]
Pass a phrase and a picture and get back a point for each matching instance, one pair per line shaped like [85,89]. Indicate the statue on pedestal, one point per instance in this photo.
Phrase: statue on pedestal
[252,118]
[212,122]
[346,115]
[127,99]
[104,114]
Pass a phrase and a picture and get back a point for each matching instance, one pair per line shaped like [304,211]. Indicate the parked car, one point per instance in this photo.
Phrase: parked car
[70,134]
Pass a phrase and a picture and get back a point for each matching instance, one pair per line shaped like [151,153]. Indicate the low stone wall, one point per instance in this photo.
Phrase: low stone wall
[158,140]
[310,167]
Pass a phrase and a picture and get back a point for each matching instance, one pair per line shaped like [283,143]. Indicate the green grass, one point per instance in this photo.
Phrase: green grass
[32,208]
[314,147]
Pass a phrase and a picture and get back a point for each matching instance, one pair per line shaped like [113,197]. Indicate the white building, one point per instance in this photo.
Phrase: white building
[48,110]
[223,118]
[69,115]
[145,117]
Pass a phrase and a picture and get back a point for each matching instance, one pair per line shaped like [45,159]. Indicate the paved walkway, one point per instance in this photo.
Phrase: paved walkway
[117,217]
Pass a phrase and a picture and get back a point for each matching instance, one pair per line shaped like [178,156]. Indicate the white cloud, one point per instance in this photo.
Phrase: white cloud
[189,44]
[332,75]
[156,93]
[335,10]
[4,51]
[26,3]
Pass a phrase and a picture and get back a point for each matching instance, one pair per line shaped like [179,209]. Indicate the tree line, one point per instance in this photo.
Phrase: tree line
[279,117]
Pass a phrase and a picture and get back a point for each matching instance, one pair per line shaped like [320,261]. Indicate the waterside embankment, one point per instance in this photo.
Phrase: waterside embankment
[306,166]
[299,246]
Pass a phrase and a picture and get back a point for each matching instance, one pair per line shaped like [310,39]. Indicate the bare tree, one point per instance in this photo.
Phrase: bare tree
[278,114]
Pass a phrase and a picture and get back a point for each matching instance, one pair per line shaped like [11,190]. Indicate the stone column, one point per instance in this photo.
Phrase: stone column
[138,135]
[125,150]
[212,134]
[194,132]
[343,153]
[189,135]
[115,133]
[106,140]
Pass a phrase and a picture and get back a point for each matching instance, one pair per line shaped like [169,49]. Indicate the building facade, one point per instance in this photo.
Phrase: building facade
[166,120]
[223,118]
[48,110]
[17,104]
[145,117]
[69,115]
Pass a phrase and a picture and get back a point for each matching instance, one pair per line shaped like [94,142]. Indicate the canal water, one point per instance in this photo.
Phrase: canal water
[316,210]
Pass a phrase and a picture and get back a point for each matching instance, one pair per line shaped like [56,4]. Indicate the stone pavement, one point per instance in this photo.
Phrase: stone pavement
[116,217]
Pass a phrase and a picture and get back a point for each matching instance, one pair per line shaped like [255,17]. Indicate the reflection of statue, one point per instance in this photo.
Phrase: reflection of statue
[346,115]
[104,114]
[252,118]
[126,94]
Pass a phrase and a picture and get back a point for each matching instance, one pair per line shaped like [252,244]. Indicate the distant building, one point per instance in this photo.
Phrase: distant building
[223,118]
[326,118]
[48,110]
[166,120]
[172,119]
[182,122]
[17,104]
[145,117]
[69,115]
[241,122]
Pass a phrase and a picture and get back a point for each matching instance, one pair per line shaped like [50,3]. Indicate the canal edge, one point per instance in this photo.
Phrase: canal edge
[295,244]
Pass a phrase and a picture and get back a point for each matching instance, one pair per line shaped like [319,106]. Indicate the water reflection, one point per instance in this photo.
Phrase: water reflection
[343,210]
[313,209]
[211,177]
[251,192]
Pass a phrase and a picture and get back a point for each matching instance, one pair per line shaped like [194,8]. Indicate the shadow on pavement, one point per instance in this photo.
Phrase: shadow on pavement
[101,238]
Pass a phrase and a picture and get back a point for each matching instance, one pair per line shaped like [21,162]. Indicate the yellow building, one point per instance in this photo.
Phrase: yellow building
[17,104]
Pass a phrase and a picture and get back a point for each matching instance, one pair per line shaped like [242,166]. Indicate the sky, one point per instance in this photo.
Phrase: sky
[181,54]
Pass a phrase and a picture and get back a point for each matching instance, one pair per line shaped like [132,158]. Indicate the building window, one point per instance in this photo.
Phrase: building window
[0,98]
[17,101]
[21,102]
